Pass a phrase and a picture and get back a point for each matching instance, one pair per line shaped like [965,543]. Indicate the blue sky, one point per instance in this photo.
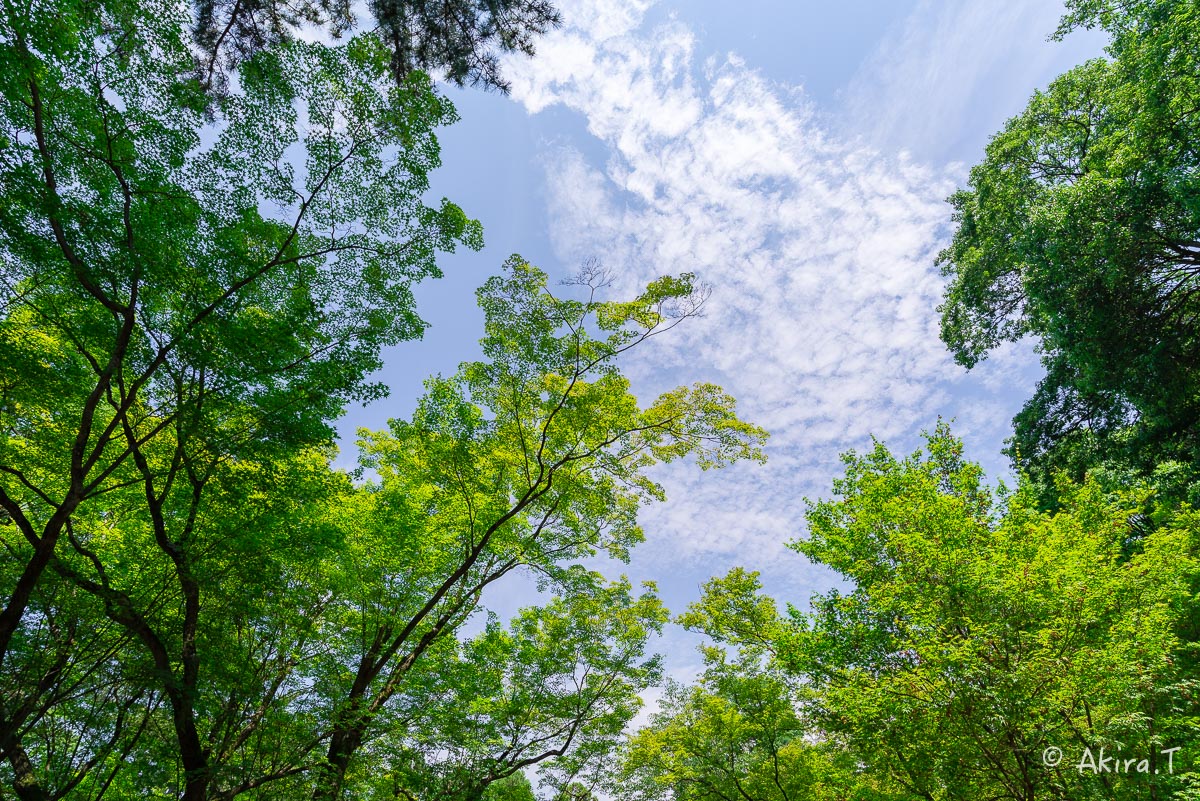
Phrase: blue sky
[795,154]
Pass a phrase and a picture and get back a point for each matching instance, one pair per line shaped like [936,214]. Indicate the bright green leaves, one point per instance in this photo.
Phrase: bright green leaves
[549,330]
[532,459]
[666,298]
[733,610]
[529,460]
[735,734]
[549,422]
[699,420]
[512,788]
[889,507]
[971,640]
[744,729]
[551,691]
[359,235]
[568,672]
[974,632]
[543,444]
[574,372]
[137,242]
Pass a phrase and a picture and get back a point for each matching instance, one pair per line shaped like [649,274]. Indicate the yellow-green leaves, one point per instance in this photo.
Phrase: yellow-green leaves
[971,640]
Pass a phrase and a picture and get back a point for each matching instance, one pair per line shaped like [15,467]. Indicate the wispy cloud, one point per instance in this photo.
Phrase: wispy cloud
[820,250]
[951,70]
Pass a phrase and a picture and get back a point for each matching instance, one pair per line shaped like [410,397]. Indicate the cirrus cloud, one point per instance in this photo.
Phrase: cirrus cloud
[820,251]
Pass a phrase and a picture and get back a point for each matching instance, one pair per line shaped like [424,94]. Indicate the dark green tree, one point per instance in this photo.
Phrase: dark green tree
[462,40]
[171,306]
[1081,228]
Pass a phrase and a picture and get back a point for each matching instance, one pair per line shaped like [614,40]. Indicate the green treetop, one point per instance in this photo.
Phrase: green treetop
[1081,227]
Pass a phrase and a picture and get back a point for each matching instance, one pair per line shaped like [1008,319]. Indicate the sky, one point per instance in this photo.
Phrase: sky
[797,155]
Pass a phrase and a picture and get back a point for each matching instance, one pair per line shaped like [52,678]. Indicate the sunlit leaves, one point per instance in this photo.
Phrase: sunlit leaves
[978,631]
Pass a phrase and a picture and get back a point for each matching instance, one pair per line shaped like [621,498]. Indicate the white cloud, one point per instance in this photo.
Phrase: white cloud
[951,70]
[820,250]
[605,19]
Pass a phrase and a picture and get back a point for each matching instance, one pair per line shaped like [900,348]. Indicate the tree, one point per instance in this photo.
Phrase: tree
[174,307]
[733,735]
[260,534]
[530,460]
[511,788]
[741,731]
[576,791]
[554,692]
[1081,227]
[461,39]
[979,632]
[317,649]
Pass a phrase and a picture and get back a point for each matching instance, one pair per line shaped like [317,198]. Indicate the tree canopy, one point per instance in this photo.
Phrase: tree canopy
[461,40]
[981,631]
[212,220]
[1081,228]
[196,604]
[306,640]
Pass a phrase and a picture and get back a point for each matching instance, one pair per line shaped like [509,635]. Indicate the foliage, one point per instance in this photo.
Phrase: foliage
[183,316]
[548,690]
[979,631]
[741,732]
[460,39]
[511,788]
[304,642]
[1081,228]
[209,229]
[532,459]
[553,690]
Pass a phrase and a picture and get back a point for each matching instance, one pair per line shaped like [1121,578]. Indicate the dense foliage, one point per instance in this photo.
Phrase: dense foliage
[210,227]
[1082,228]
[976,634]
[461,40]
[195,603]
[980,631]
